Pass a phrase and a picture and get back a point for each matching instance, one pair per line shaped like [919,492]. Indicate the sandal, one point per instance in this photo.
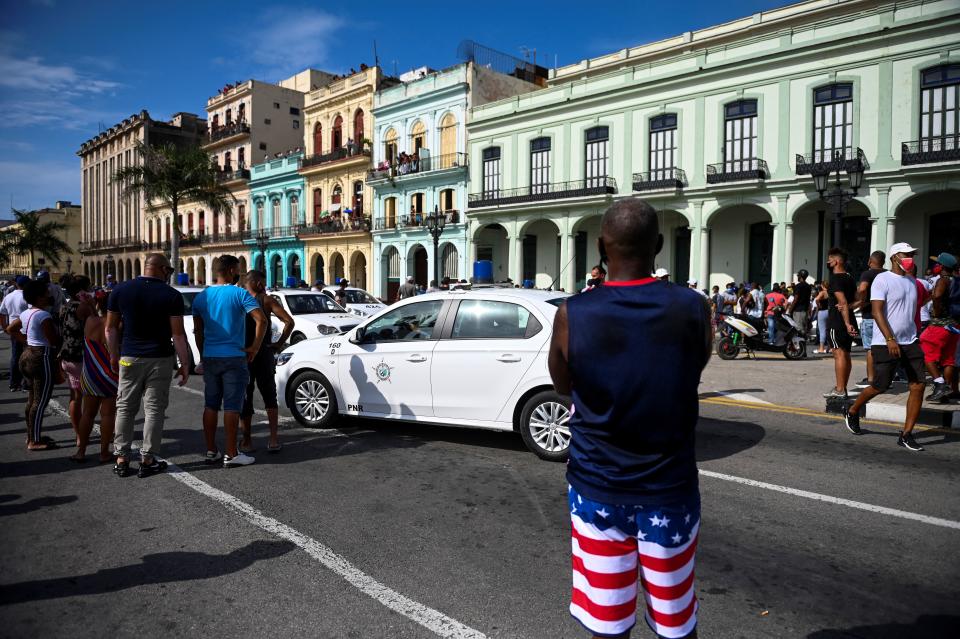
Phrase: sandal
[274,449]
[121,468]
[158,466]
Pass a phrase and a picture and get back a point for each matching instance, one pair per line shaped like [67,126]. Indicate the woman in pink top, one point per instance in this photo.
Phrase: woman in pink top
[775,305]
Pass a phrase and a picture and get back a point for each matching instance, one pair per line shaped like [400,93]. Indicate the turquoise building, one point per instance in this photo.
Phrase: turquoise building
[276,216]
[721,130]
[420,166]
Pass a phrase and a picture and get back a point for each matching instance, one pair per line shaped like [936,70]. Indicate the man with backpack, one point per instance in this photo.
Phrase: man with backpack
[939,340]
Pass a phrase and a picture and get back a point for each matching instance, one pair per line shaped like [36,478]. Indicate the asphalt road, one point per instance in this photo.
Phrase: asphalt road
[388,530]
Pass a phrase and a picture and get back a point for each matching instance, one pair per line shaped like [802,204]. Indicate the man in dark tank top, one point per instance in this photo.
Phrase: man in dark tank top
[630,354]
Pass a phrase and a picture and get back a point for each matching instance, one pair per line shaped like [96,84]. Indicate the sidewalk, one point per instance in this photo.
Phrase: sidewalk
[771,378]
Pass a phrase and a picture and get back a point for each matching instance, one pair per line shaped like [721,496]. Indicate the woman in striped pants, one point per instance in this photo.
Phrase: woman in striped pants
[38,362]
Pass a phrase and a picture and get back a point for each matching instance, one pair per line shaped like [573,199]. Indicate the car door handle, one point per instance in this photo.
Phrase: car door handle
[416,358]
[507,357]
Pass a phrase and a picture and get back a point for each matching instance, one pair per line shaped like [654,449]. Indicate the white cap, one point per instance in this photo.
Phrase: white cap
[691,282]
[409,278]
[661,272]
[901,247]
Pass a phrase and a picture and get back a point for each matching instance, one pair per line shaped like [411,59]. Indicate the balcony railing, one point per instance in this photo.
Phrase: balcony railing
[737,170]
[672,178]
[112,243]
[227,131]
[226,238]
[544,192]
[421,165]
[334,225]
[274,232]
[334,156]
[228,175]
[822,162]
[943,149]
[384,223]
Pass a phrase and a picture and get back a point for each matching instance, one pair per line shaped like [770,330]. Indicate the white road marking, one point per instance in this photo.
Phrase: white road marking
[258,411]
[883,510]
[431,619]
[60,410]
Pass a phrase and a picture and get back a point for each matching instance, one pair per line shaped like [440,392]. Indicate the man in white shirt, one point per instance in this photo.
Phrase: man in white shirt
[893,299]
[758,301]
[13,304]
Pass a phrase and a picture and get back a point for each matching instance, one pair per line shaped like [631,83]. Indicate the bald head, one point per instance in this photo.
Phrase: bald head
[156,265]
[630,236]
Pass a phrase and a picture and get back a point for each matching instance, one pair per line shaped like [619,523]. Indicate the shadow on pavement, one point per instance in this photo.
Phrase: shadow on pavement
[927,626]
[719,438]
[33,504]
[165,567]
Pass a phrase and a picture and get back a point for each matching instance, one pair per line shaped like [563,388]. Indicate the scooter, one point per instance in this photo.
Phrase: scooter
[749,333]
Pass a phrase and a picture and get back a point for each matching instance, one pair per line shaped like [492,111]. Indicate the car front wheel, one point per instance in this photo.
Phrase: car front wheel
[297,337]
[312,401]
[545,425]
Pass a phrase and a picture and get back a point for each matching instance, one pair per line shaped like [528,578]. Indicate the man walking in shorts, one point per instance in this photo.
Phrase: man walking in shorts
[143,316]
[939,340]
[634,498]
[842,326]
[893,297]
[219,326]
[875,267]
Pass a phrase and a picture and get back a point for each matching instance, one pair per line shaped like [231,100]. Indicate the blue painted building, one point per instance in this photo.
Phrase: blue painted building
[276,216]
[420,165]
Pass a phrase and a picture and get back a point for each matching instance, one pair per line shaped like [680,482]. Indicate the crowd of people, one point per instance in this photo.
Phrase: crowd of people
[118,347]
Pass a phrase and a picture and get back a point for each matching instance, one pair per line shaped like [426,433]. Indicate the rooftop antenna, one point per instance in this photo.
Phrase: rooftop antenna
[376,58]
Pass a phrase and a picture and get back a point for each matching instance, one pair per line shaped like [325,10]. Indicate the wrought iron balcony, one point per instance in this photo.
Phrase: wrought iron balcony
[274,232]
[416,167]
[385,223]
[823,162]
[737,170]
[334,225]
[544,192]
[226,238]
[334,156]
[942,149]
[161,247]
[672,178]
[228,175]
[115,243]
[227,131]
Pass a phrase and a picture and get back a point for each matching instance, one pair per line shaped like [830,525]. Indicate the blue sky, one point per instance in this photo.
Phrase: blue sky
[68,65]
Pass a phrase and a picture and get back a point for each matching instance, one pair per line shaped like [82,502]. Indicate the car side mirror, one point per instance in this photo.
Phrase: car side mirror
[358,335]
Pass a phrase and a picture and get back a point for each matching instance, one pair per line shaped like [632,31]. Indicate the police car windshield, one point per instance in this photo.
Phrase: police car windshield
[359,297]
[305,304]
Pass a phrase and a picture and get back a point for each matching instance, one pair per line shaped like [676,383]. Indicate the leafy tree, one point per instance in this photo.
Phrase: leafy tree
[172,175]
[33,237]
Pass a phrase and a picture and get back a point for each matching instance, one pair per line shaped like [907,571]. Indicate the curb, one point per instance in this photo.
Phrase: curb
[896,413]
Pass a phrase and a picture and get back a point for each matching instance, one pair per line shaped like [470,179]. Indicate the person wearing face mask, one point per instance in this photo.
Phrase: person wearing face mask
[939,340]
[893,297]
[841,324]
[219,326]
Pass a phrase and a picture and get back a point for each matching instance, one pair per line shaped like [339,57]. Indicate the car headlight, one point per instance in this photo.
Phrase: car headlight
[327,330]
[283,358]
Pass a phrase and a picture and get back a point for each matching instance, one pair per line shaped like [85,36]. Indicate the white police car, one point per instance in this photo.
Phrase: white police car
[464,358]
[358,301]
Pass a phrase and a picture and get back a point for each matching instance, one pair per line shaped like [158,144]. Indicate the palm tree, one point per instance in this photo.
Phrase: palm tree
[172,175]
[33,237]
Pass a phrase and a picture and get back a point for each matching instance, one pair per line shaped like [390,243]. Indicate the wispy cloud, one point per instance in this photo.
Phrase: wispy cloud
[289,40]
[49,113]
[33,74]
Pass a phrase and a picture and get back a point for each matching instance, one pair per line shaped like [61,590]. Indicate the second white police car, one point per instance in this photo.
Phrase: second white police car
[474,358]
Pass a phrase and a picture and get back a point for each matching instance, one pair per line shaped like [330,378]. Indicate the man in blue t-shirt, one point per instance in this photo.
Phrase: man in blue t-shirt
[633,497]
[219,325]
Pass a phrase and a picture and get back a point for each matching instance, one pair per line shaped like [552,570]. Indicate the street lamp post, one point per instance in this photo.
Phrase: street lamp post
[839,197]
[435,223]
[69,265]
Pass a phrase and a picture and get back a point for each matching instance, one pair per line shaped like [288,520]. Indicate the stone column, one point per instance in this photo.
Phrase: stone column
[775,261]
[884,225]
[704,256]
[788,254]
[514,253]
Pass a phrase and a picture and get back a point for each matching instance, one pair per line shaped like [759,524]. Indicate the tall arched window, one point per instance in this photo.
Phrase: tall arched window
[336,136]
[229,117]
[318,138]
[390,212]
[390,146]
[294,210]
[448,139]
[663,146]
[418,137]
[832,121]
[336,198]
[740,137]
[241,218]
[358,127]
[317,205]
[597,152]
[275,214]
[940,108]
[357,198]
[261,223]
[242,112]
[227,162]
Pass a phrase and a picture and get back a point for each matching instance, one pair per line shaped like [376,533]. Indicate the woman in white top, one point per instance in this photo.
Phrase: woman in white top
[38,363]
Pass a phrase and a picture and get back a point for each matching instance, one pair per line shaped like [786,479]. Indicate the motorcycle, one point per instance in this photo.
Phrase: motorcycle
[749,333]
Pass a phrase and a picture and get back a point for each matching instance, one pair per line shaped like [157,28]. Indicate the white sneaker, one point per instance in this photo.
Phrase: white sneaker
[240,460]
[212,456]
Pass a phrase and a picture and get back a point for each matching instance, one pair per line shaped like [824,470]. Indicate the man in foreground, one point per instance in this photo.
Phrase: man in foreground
[893,297]
[841,322]
[219,326]
[634,497]
[143,316]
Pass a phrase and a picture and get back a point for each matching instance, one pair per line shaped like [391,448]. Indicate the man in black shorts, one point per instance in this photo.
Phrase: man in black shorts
[893,297]
[263,367]
[841,324]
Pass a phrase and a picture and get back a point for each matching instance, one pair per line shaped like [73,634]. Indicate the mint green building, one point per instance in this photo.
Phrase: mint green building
[720,129]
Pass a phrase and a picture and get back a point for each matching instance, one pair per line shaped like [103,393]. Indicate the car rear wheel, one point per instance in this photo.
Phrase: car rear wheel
[545,425]
[312,401]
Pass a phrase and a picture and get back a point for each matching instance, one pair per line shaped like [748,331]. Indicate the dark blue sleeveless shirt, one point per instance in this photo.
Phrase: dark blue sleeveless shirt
[636,351]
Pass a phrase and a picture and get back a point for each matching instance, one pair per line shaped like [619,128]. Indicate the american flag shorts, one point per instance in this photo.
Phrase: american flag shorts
[614,545]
